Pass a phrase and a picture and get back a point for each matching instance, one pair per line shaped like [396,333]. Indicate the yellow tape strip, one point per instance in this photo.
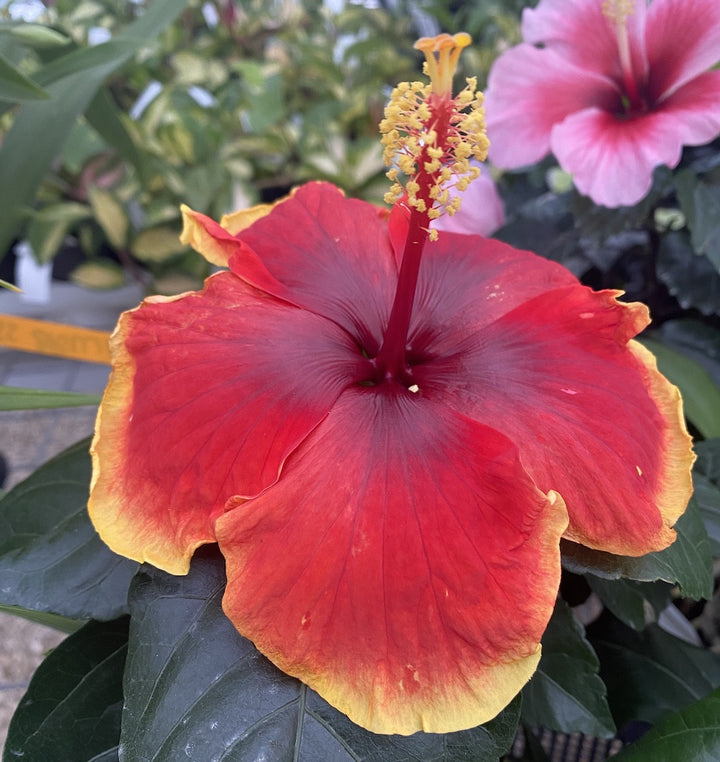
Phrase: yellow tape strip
[54,339]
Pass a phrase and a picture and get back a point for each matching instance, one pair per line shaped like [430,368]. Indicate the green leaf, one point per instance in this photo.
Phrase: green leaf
[16,87]
[195,689]
[566,692]
[157,244]
[73,706]
[691,278]
[687,562]
[701,396]
[51,558]
[700,203]
[38,36]
[691,734]
[104,115]
[634,603]
[99,275]
[61,623]
[651,673]
[9,286]
[708,459]
[72,81]
[110,215]
[49,227]
[696,339]
[17,398]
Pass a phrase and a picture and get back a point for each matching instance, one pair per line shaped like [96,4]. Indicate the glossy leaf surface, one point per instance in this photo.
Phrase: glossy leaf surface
[566,693]
[72,708]
[51,558]
[197,690]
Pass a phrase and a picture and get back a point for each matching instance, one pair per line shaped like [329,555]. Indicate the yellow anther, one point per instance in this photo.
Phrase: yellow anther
[429,136]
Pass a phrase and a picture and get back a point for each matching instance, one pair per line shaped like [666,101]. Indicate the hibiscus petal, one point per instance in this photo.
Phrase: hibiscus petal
[591,415]
[683,40]
[219,246]
[612,159]
[482,211]
[585,36]
[209,393]
[323,252]
[466,283]
[522,106]
[693,110]
[404,566]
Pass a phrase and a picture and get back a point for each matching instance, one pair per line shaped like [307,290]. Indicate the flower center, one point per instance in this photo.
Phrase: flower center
[429,137]
[618,11]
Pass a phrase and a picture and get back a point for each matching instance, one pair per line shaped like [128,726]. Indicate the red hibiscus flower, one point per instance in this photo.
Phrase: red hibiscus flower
[617,89]
[381,435]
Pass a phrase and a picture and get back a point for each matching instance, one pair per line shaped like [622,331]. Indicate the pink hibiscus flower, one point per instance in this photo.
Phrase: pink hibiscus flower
[482,211]
[614,88]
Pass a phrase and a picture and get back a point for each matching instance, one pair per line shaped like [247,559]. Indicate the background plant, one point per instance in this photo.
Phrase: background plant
[220,105]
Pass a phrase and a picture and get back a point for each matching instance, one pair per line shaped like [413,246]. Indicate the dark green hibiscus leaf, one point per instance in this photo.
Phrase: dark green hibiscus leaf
[652,673]
[700,392]
[691,278]
[691,734]
[195,689]
[599,223]
[634,603]
[73,706]
[566,693]
[698,340]
[708,460]
[51,558]
[706,479]
[700,203]
[687,562]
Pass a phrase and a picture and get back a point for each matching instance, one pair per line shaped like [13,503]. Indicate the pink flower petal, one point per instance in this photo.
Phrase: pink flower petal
[683,40]
[522,106]
[585,37]
[382,568]
[612,159]
[694,109]
[482,211]
[592,416]
[209,393]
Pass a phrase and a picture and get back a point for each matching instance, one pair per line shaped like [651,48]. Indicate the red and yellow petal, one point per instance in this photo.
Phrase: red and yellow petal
[332,256]
[404,566]
[320,251]
[209,393]
[591,415]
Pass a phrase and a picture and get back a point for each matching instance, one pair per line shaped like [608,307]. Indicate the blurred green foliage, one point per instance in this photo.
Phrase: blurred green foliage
[223,104]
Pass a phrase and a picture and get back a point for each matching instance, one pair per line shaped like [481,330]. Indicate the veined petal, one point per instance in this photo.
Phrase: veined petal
[382,568]
[585,36]
[522,107]
[592,416]
[683,40]
[466,283]
[332,256]
[612,159]
[219,246]
[209,393]
[693,109]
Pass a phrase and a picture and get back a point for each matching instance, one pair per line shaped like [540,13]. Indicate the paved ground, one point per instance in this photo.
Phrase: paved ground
[29,438]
